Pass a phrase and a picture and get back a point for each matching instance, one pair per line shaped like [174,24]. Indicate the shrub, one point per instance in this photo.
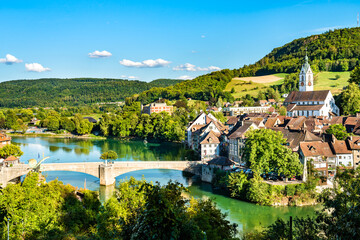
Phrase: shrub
[300,189]
[290,189]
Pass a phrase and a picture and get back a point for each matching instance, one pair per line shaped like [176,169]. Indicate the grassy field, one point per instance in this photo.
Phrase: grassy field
[252,85]
[328,81]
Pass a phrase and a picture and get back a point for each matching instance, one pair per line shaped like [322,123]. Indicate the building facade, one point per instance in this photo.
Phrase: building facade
[157,108]
[307,102]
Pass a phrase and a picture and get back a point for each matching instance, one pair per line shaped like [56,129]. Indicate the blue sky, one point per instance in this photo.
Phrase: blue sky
[149,39]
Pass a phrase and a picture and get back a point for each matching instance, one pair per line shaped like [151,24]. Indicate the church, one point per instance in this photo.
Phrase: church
[307,102]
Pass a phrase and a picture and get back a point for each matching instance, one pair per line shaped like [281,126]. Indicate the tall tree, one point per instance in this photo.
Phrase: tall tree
[265,151]
[349,99]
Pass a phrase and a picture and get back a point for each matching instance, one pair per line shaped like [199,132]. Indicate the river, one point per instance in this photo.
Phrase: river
[247,215]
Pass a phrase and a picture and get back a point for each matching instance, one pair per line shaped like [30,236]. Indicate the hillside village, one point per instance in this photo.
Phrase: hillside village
[308,115]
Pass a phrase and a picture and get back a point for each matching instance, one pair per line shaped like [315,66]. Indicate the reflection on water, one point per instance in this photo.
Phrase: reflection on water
[83,150]
[248,216]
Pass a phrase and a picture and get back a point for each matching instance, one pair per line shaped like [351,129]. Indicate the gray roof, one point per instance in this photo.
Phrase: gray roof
[308,96]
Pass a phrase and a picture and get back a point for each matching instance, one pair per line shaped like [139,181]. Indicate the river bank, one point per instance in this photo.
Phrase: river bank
[55,135]
[249,216]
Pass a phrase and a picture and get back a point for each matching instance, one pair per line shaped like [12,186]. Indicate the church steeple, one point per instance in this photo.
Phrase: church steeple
[306,78]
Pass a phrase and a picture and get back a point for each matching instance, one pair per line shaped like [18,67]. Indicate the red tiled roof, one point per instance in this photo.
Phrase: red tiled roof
[340,147]
[316,148]
[4,138]
[354,142]
[210,137]
[10,159]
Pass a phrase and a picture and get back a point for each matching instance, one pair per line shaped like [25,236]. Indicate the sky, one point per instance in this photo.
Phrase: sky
[151,39]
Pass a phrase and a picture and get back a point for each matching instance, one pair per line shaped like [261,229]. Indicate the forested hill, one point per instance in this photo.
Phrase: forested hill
[337,50]
[72,92]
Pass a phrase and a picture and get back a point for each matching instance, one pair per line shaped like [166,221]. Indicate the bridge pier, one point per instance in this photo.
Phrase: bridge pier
[106,175]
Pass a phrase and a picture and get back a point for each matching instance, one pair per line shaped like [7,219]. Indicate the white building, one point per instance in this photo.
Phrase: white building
[307,102]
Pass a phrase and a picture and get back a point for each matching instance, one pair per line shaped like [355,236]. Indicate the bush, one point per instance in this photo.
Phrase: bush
[290,189]
[300,189]
[337,76]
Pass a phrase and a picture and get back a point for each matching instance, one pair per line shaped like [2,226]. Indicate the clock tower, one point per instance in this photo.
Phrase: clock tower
[306,78]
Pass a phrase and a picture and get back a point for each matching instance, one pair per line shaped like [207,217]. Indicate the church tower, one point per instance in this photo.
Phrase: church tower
[306,77]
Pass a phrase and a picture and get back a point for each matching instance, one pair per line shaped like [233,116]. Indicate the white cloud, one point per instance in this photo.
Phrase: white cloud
[98,54]
[185,77]
[129,77]
[203,36]
[185,67]
[192,68]
[35,67]
[150,63]
[10,59]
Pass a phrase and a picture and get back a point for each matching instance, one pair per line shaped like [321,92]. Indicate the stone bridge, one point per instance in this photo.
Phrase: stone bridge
[106,173]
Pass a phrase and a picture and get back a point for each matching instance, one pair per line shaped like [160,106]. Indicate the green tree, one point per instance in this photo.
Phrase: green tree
[109,155]
[349,99]
[265,151]
[67,124]
[355,76]
[84,127]
[52,123]
[338,130]
[282,111]
[10,150]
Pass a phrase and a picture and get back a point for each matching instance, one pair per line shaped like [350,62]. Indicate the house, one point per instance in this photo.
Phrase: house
[210,145]
[222,163]
[263,103]
[4,140]
[353,143]
[198,129]
[237,139]
[234,111]
[231,122]
[320,155]
[307,102]
[294,137]
[9,161]
[195,125]
[351,124]
[34,121]
[344,156]
[157,108]
[272,101]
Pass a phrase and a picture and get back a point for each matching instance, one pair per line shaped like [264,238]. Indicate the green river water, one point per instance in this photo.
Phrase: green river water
[247,215]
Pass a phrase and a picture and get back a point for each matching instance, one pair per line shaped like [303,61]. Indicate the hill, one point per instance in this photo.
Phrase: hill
[333,51]
[333,81]
[72,92]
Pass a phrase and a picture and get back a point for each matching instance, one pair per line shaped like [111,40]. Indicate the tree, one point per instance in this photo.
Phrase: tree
[339,219]
[52,123]
[349,99]
[109,155]
[355,76]
[282,111]
[338,130]
[265,151]
[67,124]
[10,150]
[84,127]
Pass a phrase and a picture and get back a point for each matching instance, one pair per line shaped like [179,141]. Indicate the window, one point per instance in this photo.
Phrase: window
[339,157]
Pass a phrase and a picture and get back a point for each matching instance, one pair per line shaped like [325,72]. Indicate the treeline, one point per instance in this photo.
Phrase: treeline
[337,50]
[72,92]
[138,210]
[121,122]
